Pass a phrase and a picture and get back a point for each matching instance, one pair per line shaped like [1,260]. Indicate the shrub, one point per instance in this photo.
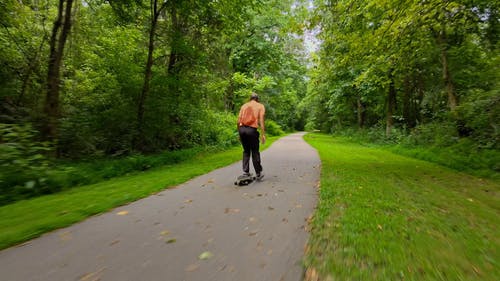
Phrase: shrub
[439,134]
[23,164]
[481,112]
[273,129]
[212,128]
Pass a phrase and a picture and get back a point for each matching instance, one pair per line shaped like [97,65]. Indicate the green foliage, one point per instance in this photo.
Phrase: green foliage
[25,178]
[23,163]
[273,129]
[426,53]
[212,128]
[207,58]
[439,134]
[481,112]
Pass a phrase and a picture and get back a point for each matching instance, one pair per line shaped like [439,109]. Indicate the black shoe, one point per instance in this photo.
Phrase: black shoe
[259,176]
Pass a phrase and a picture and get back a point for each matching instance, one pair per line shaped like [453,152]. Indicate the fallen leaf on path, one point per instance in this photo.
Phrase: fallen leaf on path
[122,213]
[169,241]
[252,219]
[165,232]
[92,275]
[270,208]
[211,181]
[253,233]
[229,210]
[188,201]
[205,255]
[192,267]
[270,252]
[114,242]
[65,236]
[298,206]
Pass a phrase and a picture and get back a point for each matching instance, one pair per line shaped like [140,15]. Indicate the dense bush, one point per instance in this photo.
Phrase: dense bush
[23,164]
[212,128]
[481,114]
[273,129]
[25,176]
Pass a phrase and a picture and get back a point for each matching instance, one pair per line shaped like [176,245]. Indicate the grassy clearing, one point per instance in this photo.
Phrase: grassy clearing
[383,216]
[30,218]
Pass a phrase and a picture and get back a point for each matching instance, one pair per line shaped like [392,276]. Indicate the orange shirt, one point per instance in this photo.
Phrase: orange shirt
[258,111]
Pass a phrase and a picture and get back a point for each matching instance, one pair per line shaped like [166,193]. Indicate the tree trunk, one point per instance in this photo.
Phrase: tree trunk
[417,102]
[172,68]
[60,32]
[139,139]
[391,104]
[409,114]
[148,73]
[361,113]
[448,82]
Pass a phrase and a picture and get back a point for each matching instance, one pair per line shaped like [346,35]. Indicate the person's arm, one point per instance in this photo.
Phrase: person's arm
[239,119]
[262,114]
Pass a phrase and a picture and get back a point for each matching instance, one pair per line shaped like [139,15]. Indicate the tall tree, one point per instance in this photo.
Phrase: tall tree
[156,8]
[60,32]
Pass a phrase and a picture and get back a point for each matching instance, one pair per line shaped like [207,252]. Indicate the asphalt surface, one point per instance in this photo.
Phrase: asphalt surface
[204,229]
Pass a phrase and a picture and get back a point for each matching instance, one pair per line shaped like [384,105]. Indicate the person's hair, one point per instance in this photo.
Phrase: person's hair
[254,96]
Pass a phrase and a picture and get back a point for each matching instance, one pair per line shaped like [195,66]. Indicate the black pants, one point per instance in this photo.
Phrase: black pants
[250,140]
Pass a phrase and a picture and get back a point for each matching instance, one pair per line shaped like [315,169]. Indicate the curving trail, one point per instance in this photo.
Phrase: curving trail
[205,229]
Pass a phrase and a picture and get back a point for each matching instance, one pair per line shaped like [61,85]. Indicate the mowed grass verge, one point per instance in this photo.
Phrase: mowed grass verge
[383,216]
[30,218]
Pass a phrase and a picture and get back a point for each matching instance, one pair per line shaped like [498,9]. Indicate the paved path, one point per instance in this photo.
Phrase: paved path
[252,233]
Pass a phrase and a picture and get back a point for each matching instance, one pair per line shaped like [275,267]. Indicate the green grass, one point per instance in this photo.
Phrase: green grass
[480,163]
[30,218]
[383,216]
[461,154]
